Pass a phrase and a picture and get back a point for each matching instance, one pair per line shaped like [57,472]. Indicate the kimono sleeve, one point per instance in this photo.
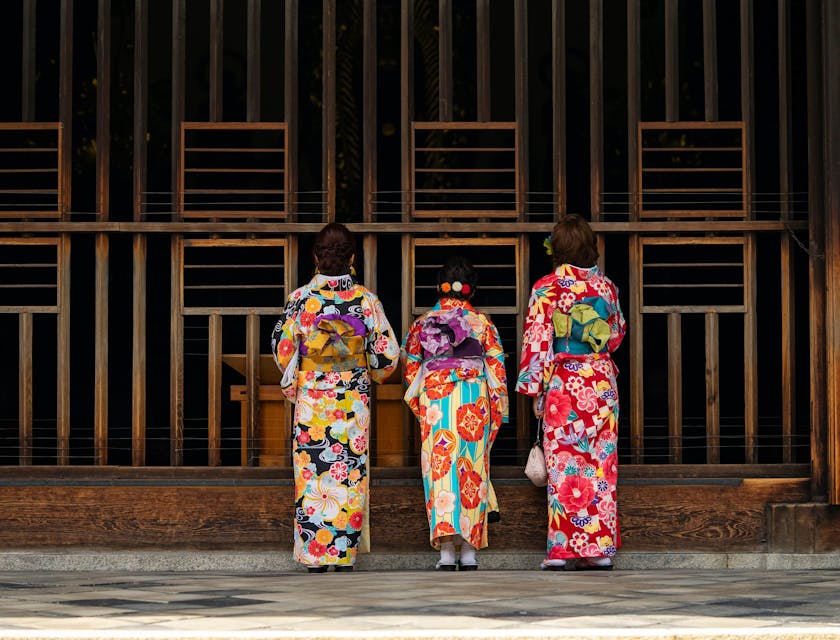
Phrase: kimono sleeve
[536,343]
[285,341]
[494,365]
[618,326]
[383,350]
[412,353]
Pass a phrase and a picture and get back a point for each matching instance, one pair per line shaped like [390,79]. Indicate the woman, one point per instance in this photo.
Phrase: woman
[574,322]
[455,372]
[331,342]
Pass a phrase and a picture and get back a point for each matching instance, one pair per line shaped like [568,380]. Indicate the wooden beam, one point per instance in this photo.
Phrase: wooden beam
[328,110]
[710,73]
[712,388]
[816,256]
[138,352]
[558,92]
[25,387]
[596,110]
[369,111]
[214,390]
[482,60]
[520,48]
[786,249]
[217,59]
[445,82]
[672,61]
[291,59]
[675,408]
[27,65]
[176,355]
[63,353]
[179,55]
[831,98]
[254,41]
[252,382]
[406,104]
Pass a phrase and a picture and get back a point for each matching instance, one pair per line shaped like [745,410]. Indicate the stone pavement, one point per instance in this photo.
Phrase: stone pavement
[674,603]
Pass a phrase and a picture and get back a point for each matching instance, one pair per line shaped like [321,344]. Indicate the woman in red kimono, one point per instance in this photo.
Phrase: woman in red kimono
[574,323]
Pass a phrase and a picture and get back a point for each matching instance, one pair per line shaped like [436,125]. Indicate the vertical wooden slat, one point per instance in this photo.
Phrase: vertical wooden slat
[63,354]
[27,65]
[788,297]
[831,97]
[217,48]
[369,128]
[558,91]
[407,282]
[520,48]
[633,163]
[406,104]
[328,110]
[176,354]
[138,352]
[252,383]
[675,410]
[25,388]
[103,161]
[750,338]
[816,262]
[179,20]
[214,390]
[290,102]
[139,245]
[524,439]
[100,381]
[445,84]
[65,104]
[252,90]
[482,60]
[712,388]
[710,73]
[672,61]
[596,110]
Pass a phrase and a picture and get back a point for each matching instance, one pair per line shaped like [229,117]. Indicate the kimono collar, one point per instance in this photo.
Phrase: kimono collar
[579,273]
[445,304]
[333,283]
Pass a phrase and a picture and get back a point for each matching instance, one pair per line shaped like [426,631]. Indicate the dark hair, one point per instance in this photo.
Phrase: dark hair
[574,242]
[334,248]
[459,269]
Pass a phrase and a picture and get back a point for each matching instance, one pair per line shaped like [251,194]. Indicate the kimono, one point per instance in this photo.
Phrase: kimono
[574,322]
[331,342]
[457,389]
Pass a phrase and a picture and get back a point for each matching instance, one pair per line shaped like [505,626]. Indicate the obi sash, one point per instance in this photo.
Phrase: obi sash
[336,343]
[583,329]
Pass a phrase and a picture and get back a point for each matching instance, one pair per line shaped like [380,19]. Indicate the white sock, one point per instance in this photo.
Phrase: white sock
[600,562]
[467,553]
[556,562]
[447,552]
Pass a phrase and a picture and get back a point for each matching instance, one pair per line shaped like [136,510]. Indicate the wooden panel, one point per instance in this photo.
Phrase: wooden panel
[32,177]
[389,436]
[688,517]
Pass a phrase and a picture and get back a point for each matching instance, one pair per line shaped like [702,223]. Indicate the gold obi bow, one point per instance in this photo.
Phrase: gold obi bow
[333,345]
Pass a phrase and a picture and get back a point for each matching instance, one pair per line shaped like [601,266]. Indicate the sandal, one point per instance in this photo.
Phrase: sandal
[552,565]
[588,564]
[439,566]
[343,567]
[317,569]
[467,567]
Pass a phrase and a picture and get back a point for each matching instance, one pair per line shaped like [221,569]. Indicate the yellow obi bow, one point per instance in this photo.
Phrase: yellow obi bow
[584,323]
[335,344]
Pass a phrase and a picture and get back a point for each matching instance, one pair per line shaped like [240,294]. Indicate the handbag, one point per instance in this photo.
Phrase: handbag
[535,467]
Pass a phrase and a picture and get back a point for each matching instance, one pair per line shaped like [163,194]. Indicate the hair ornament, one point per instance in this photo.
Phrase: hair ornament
[445,287]
[457,286]
[547,244]
[465,289]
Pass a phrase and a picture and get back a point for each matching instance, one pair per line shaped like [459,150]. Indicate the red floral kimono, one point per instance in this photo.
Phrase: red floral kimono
[574,322]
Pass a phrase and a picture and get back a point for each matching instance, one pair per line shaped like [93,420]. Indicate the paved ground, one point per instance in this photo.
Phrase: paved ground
[677,603]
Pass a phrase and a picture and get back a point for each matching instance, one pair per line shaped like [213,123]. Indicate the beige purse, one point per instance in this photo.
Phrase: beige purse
[535,467]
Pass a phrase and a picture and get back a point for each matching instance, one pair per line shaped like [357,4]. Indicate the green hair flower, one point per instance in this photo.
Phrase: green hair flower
[547,244]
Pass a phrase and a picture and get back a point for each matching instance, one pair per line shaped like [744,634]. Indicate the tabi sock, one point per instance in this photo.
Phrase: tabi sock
[447,552]
[467,553]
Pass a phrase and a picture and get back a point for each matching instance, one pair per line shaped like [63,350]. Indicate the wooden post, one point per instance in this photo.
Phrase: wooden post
[672,61]
[482,60]
[710,74]
[252,90]
[406,104]
[445,83]
[25,388]
[712,388]
[520,47]
[558,90]
[675,409]
[252,383]
[217,49]
[328,110]
[214,390]
[290,102]
[27,65]
[176,354]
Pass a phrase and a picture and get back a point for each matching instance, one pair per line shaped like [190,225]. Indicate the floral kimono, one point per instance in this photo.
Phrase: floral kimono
[331,342]
[574,322]
[455,372]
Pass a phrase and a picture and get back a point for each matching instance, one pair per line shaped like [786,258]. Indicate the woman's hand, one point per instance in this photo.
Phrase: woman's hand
[539,406]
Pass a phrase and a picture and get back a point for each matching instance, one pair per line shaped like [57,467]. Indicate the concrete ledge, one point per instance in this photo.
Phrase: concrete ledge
[259,561]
